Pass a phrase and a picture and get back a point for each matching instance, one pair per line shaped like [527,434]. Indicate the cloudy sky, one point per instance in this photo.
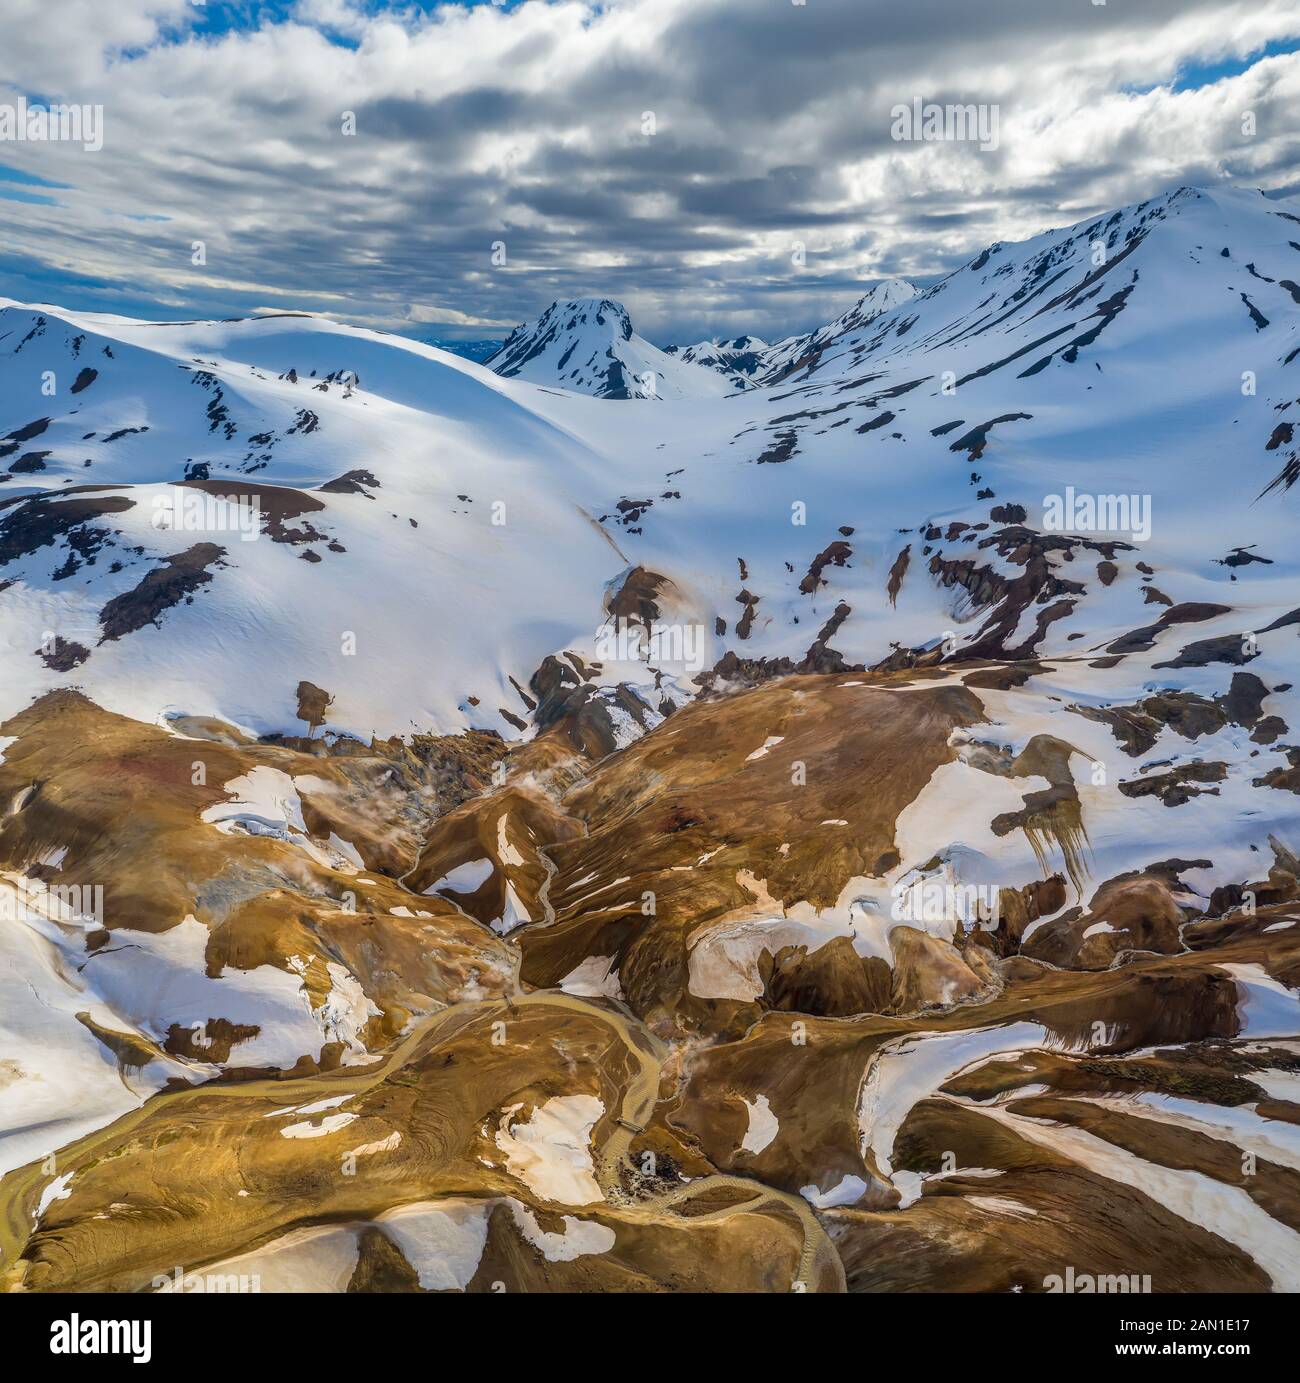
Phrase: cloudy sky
[671,153]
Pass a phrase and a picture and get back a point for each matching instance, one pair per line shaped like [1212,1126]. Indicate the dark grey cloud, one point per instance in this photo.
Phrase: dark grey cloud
[769,127]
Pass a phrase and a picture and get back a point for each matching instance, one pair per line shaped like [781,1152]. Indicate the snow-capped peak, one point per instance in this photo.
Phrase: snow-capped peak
[588,345]
[881,298]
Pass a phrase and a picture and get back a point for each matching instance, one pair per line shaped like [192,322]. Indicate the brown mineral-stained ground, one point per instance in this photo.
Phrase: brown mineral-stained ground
[683,814]
[198,1175]
[120,797]
[471,1025]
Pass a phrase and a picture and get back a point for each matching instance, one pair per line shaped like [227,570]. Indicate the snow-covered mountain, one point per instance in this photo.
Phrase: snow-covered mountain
[741,359]
[588,345]
[390,697]
[796,353]
[395,466]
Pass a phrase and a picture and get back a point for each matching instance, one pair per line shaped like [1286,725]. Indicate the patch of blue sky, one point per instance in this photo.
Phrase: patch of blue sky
[21,175]
[218,17]
[19,194]
[1193,75]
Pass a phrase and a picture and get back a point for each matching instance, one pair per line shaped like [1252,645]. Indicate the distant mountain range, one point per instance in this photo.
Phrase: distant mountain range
[588,345]
[478,351]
